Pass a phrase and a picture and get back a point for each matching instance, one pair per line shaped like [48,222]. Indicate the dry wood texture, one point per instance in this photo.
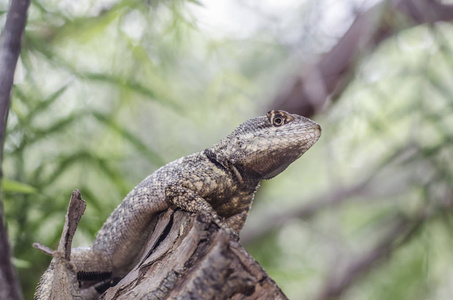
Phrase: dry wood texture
[189,258]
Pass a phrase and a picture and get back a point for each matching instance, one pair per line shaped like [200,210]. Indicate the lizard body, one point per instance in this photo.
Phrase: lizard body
[219,182]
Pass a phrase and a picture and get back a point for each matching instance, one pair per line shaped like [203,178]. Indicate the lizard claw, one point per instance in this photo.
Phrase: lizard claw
[230,232]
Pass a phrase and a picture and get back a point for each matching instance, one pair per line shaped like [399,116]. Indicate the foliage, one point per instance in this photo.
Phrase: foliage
[108,91]
[388,148]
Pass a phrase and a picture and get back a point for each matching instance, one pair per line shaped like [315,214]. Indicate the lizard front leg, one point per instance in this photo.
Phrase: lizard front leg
[237,221]
[188,200]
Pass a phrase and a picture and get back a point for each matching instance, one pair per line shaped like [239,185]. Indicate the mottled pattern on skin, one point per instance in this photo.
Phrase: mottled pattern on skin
[219,182]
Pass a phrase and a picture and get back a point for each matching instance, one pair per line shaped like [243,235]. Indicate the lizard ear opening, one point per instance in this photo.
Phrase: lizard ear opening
[278,118]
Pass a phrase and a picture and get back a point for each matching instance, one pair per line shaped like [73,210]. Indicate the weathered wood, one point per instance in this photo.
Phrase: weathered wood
[62,282]
[189,258]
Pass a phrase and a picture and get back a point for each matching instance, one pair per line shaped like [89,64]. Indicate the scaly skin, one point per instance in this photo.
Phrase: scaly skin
[219,182]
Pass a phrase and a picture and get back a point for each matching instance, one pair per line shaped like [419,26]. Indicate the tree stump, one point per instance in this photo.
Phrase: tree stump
[189,257]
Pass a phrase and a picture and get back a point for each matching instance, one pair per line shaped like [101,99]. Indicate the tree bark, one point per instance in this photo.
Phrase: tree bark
[187,257]
[9,53]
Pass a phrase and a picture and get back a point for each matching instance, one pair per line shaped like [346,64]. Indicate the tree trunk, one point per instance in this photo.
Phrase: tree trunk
[9,53]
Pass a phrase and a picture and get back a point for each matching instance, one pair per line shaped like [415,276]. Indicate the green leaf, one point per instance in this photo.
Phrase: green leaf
[44,104]
[131,85]
[151,155]
[21,263]
[196,2]
[12,186]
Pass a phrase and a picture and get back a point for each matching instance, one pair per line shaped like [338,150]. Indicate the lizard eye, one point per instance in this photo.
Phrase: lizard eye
[278,121]
[278,118]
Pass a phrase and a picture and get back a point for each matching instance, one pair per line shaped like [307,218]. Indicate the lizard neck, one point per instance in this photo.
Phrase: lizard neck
[237,171]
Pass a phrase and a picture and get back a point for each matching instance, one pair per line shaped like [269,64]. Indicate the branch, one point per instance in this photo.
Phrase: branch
[75,212]
[186,257]
[60,276]
[9,53]
[308,92]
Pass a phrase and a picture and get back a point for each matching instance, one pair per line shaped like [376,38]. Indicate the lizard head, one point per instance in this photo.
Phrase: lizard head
[265,146]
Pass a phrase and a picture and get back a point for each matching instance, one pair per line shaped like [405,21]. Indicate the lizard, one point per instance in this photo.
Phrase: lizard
[219,182]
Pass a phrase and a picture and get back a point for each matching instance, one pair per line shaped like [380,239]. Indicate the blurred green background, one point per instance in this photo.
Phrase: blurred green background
[108,91]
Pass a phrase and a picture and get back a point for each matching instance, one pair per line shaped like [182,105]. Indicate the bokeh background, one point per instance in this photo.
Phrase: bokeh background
[108,91]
